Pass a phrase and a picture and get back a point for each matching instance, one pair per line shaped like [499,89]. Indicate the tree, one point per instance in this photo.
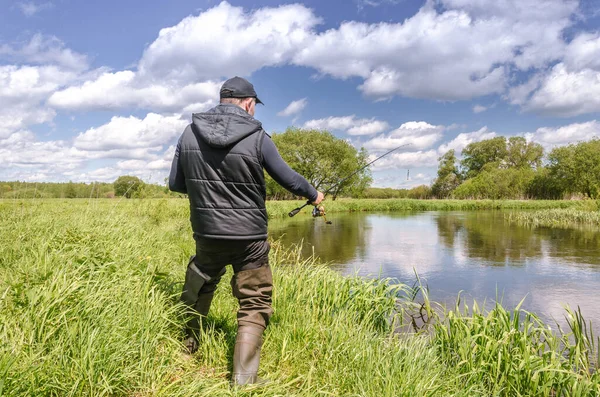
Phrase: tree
[496,183]
[70,190]
[448,176]
[576,167]
[323,160]
[476,155]
[523,154]
[127,185]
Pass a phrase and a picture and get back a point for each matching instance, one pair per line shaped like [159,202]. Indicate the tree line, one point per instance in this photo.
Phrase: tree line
[497,168]
[126,186]
[501,168]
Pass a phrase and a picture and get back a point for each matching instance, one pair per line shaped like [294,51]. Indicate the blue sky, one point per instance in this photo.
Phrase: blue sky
[93,90]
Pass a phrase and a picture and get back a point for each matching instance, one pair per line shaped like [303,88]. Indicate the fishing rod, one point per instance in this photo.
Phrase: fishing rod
[316,210]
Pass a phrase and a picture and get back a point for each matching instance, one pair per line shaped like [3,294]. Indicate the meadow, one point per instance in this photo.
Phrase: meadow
[89,307]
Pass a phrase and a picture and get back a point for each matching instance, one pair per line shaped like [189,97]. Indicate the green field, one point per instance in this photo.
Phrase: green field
[89,306]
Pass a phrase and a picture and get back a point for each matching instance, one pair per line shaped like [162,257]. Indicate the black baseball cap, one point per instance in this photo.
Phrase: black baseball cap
[238,87]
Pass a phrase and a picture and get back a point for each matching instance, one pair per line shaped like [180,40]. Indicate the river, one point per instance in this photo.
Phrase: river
[478,254]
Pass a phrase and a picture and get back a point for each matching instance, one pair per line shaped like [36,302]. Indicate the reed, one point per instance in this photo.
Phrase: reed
[555,218]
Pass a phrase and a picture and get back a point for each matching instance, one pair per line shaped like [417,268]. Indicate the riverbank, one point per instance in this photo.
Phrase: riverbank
[282,208]
[88,306]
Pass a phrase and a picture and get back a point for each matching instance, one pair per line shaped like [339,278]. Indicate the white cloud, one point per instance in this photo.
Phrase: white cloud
[371,127]
[246,42]
[419,134]
[293,108]
[562,92]
[569,88]
[550,137]
[426,56]
[45,50]
[123,89]
[22,151]
[415,159]
[463,139]
[350,124]
[131,133]
[479,109]
[23,90]
[140,148]
[29,8]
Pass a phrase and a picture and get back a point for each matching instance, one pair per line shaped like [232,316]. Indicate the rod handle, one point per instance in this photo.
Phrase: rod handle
[296,210]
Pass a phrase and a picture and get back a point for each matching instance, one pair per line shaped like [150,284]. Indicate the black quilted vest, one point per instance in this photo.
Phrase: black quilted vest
[221,159]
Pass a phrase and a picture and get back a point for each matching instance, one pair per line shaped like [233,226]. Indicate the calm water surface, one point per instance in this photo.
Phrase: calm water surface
[478,253]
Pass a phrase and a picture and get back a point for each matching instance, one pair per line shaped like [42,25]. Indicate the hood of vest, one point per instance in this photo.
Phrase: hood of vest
[224,125]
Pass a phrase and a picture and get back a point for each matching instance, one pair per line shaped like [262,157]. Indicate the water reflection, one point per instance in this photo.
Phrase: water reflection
[478,253]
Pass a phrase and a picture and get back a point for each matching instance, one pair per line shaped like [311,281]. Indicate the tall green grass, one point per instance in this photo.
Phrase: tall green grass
[555,218]
[89,307]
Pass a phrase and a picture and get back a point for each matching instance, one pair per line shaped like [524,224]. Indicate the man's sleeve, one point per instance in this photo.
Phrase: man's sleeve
[283,174]
[176,177]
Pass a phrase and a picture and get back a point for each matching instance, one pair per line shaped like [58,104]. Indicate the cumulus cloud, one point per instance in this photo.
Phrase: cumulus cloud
[551,137]
[23,90]
[425,56]
[293,108]
[248,41]
[569,88]
[124,89]
[22,150]
[187,52]
[137,144]
[421,57]
[350,124]
[463,139]
[561,92]
[45,50]
[419,134]
[131,133]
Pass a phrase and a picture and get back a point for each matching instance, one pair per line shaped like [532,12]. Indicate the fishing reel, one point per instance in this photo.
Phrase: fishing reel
[318,211]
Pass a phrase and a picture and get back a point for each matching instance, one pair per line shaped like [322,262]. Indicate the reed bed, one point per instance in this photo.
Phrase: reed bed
[556,218]
[89,307]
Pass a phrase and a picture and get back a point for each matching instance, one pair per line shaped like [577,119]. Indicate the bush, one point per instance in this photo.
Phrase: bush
[128,186]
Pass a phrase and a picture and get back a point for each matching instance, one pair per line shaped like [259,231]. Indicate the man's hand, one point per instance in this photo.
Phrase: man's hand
[320,198]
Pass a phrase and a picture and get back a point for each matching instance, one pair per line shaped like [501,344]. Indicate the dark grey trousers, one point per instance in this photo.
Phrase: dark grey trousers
[252,282]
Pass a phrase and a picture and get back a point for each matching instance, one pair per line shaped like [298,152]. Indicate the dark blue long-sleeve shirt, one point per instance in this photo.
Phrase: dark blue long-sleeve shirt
[272,162]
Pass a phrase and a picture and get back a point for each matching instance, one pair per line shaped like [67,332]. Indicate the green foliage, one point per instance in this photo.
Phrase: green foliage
[502,169]
[576,167]
[496,183]
[420,192]
[384,193]
[545,186]
[128,186]
[523,154]
[476,155]
[323,160]
[25,190]
[448,176]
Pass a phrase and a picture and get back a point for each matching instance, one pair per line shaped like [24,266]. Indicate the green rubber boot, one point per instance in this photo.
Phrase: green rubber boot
[246,356]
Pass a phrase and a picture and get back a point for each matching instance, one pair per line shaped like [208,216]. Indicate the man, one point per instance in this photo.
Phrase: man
[219,163]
